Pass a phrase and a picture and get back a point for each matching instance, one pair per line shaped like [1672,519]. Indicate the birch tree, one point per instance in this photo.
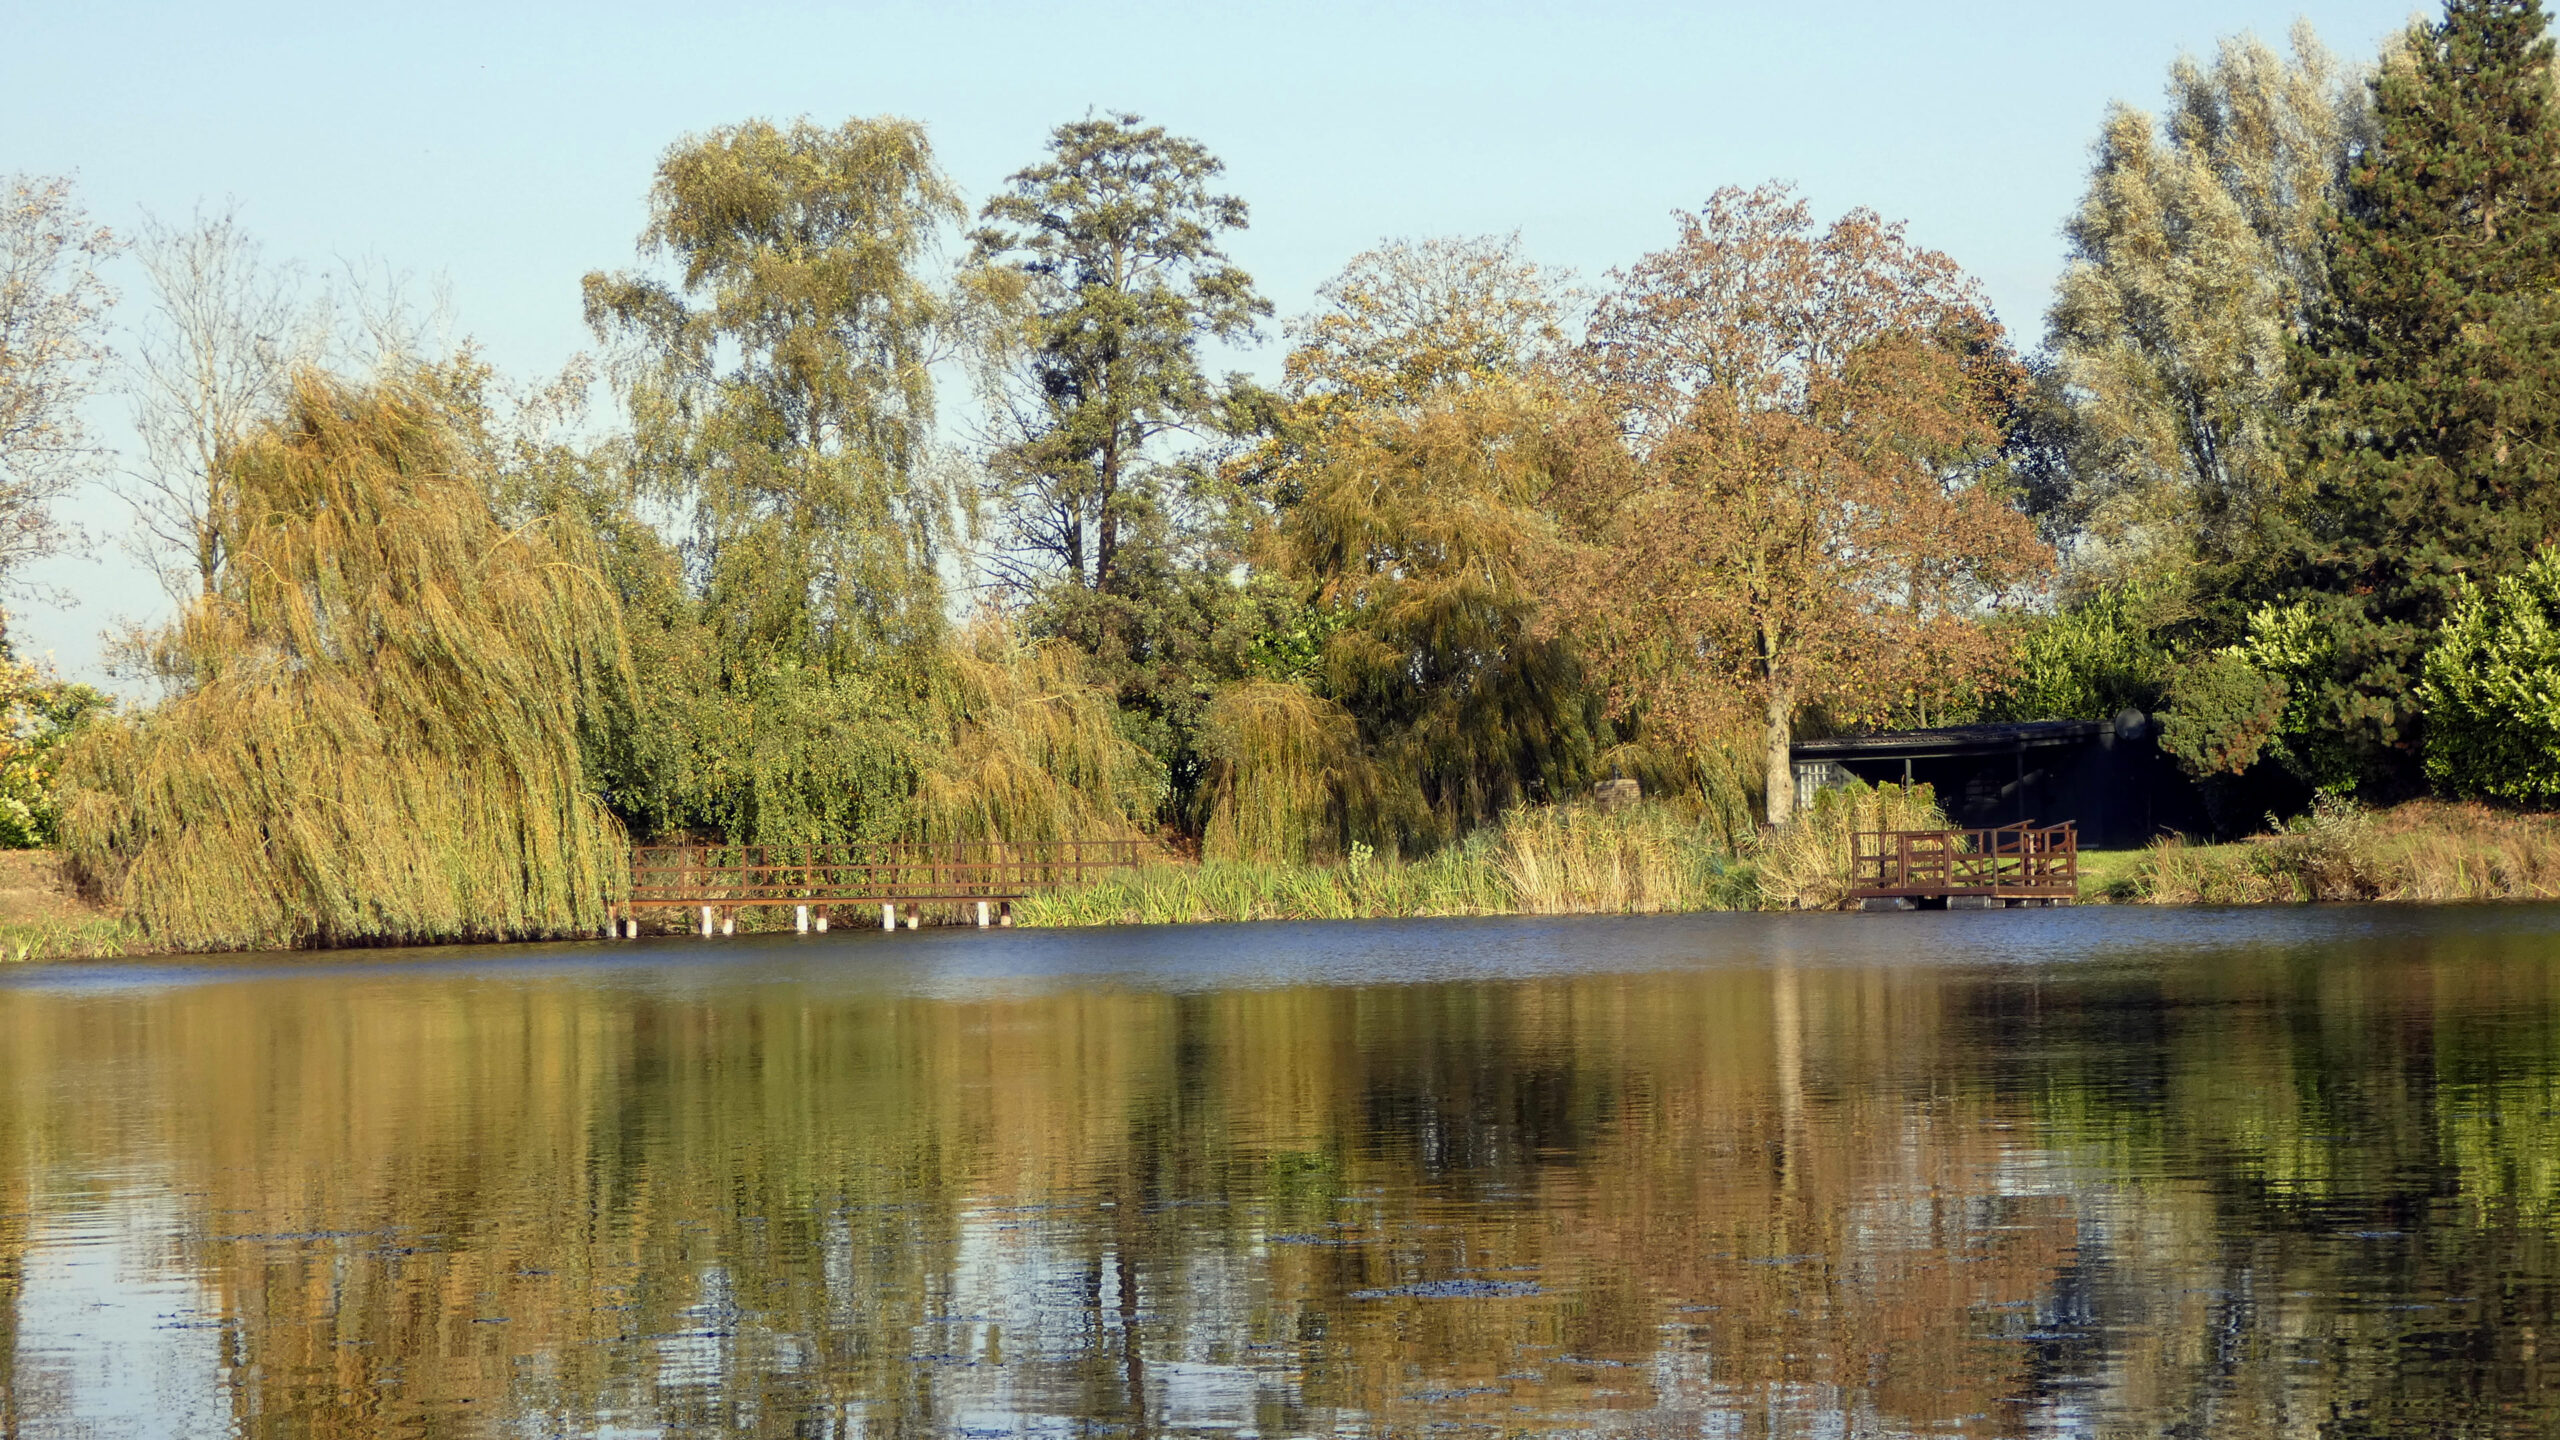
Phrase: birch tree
[52,305]
[780,384]
[213,362]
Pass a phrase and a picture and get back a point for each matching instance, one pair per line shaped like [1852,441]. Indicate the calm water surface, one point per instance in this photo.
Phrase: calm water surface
[2077,1172]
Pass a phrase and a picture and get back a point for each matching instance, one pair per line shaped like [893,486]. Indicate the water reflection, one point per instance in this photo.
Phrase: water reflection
[2238,1176]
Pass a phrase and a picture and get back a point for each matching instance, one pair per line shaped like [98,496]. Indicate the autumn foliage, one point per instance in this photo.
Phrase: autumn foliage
[1801,501]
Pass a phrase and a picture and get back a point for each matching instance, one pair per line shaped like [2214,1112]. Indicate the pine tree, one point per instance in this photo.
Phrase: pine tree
[2429,369]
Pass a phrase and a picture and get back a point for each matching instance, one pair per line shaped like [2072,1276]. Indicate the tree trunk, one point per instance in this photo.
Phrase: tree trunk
[1106,524]
[1781,773]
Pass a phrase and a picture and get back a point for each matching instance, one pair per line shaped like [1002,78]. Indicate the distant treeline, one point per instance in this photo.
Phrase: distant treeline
[2279,473]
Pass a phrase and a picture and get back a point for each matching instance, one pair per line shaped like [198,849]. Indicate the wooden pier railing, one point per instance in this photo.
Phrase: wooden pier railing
[819,880]
[2024,863]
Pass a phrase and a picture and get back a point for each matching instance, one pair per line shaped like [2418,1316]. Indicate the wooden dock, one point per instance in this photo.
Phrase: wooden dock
[821,883]
[2008,865]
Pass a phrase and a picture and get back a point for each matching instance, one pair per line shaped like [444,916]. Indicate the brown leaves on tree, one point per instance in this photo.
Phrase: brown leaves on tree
[1802,503]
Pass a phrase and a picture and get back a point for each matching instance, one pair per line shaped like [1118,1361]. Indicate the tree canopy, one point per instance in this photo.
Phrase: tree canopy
[1810,507]
[2276,474]
[2431,370]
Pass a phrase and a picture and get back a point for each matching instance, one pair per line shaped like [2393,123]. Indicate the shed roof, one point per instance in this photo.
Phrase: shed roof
[1956,740]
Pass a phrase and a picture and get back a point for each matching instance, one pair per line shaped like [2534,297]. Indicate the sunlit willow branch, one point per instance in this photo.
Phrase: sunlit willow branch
[1288,779]
[378,731]
[1027,748]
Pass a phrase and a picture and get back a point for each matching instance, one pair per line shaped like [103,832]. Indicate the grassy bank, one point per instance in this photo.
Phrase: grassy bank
[43,918]
[1576,860]
[2426,850]
[1563,860]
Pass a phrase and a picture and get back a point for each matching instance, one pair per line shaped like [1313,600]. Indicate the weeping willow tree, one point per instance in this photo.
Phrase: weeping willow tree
[1027,747]
[1422,445]
[1288,779]
[381,705]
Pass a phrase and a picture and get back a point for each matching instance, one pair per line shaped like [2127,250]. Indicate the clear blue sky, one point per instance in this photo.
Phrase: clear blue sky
[505,150]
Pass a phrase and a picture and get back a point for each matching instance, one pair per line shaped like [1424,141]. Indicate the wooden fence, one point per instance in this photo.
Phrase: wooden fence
[2022,862]
[819,880]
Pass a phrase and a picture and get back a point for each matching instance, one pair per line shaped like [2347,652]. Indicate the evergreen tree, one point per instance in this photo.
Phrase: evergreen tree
[2433,434]
[1104,263]
[1099,279]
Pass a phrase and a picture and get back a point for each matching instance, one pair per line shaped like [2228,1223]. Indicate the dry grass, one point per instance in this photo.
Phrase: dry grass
[1576,860]
[2427,850]
[42,917]
[1559,860]
[1804,864]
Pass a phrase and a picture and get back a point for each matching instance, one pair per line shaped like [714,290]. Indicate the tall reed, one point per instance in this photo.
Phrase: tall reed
[1546,861]
[1805,864]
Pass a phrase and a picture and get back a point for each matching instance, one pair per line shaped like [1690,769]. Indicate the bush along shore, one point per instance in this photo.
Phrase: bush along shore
[1652,858]
[2426,850]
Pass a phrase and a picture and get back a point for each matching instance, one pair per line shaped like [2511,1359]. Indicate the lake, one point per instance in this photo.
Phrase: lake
[2093,1171]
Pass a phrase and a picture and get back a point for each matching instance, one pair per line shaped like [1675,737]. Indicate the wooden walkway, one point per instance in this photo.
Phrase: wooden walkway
[2022,864]
[822,882]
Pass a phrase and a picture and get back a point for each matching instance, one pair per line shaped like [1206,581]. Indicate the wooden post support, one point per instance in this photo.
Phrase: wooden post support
[706,922]
[915,916]
[982,914]
[800,915]
[888,916]
[1004,914]
[729,922]
[822,919]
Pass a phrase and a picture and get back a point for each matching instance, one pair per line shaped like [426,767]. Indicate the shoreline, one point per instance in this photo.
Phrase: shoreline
[102,946]
[1580,863]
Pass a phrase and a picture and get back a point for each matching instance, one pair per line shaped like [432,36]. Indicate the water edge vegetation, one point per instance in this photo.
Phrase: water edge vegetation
[1362,639]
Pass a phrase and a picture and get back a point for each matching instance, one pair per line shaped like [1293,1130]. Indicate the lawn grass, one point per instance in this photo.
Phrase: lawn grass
[2109,877]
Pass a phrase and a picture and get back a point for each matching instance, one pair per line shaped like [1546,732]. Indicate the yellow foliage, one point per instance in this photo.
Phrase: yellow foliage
[1287,774]
[377,731]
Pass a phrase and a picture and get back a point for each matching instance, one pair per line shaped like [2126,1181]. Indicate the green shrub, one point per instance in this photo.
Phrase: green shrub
[2491,690]
[2223,712]
[39,714]
[2091,661]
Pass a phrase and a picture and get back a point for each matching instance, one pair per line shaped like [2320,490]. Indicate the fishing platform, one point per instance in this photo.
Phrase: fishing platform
[1997,867]
[821,882]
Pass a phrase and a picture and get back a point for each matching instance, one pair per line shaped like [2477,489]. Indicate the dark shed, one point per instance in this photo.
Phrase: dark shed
[2106,776]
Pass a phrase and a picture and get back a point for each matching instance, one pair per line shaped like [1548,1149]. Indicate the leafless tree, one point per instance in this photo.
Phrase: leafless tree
[52,307]
[228,329]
